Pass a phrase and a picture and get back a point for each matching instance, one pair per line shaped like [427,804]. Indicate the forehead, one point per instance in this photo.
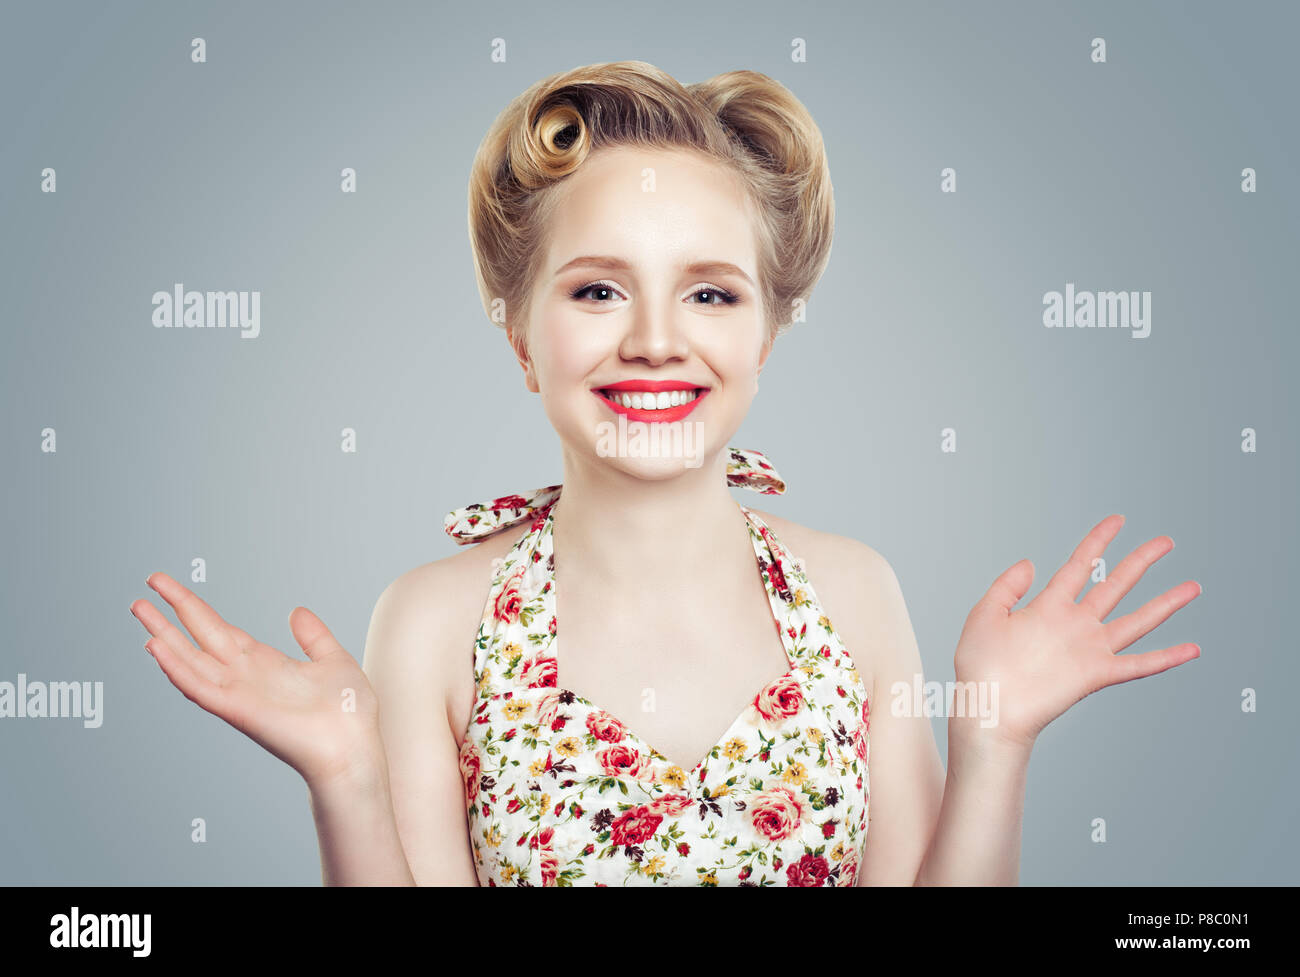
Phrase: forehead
[653,204]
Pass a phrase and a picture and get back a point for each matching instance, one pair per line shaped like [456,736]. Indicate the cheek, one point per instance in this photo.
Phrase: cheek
[564,357]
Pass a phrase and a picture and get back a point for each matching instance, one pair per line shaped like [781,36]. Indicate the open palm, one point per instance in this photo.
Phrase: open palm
[317,716]
[1057,649]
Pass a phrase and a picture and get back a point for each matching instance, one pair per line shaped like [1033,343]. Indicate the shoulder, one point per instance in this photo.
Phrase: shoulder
[830,558]
[856,587]
[430,611]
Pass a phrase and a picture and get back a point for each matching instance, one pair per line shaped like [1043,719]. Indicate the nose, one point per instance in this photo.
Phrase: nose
[654,335]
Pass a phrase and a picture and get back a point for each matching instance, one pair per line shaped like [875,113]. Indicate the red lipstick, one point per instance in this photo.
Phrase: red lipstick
[665,415]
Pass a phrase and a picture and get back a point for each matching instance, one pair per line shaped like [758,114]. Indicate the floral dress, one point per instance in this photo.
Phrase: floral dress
[559,792]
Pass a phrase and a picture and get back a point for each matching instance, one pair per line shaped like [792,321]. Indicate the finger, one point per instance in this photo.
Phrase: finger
[1125,668]
[212,633]
[1010,587]
[1123,631]
[206,695]
[1068,581]
[156,623]
[312,635]
[1103,598]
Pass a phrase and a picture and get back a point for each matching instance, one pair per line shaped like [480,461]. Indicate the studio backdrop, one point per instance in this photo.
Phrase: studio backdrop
[1061,286]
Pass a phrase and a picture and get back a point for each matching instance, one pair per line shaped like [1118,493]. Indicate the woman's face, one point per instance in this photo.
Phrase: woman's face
[650,283]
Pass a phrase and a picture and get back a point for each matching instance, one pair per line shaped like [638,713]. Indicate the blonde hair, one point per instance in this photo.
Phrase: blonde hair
[741,119]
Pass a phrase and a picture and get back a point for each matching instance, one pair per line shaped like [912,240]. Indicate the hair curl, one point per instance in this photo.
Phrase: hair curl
[742,119]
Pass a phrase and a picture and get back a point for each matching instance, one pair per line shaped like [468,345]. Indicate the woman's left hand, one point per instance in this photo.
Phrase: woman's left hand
[1053,652]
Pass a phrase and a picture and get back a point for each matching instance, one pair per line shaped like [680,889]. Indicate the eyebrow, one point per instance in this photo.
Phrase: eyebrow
[614,263]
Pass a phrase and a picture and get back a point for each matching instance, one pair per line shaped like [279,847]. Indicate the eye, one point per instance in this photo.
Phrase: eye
[602,288]
[721,294]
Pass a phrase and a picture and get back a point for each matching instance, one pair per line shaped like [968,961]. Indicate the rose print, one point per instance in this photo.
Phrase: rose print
[471,765]
[811,870]
[778,812]
[634,827]
[605,727]
[780,700]
[508,602]
[538,672]
[626,761]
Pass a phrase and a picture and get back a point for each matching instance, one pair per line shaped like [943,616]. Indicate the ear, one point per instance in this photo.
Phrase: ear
[762,356]
[521,354]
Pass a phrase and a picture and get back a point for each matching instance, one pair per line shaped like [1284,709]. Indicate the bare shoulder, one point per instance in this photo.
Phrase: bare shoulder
[828,556]
[854,583]
[424,623]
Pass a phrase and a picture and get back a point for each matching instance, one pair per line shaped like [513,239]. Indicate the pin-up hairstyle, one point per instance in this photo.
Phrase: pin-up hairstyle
[742,119]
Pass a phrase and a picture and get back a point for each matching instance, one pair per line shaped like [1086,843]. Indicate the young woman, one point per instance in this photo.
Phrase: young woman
[702,722]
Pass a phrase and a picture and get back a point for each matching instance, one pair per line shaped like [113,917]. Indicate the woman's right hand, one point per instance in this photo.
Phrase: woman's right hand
[319,716]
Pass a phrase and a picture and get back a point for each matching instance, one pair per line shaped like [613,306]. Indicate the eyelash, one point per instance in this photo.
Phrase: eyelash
[727,298]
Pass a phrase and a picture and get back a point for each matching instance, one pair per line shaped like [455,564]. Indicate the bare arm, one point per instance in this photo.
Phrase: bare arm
[418,624]
[906,773]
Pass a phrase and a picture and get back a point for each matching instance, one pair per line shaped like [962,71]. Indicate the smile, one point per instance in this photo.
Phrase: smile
[650,400]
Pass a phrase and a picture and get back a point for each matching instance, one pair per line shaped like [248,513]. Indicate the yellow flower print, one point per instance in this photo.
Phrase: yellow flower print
[735,748]
[653,866]
[801,598]
[546,802]
[674,776]
[514,709]
[708,878]
[537,767]
[796,773]
[569,746]
[493,836]
[824,621]
[815,735]
[808,669]
[512,652]
[837,853]
[485,680]
[722,790]
[507,872]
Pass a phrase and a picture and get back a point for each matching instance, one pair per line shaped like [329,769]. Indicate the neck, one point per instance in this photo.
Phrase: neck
[617,525]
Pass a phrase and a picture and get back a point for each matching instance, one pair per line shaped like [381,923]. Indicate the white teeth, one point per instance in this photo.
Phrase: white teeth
[645,400]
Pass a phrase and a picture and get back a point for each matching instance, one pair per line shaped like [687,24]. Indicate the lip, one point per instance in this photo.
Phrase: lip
[667,415]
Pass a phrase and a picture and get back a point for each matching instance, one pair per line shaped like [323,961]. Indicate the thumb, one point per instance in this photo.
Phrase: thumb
[312,635]
[1009,588]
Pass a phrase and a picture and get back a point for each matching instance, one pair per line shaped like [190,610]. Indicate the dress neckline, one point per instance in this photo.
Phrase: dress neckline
[769,563]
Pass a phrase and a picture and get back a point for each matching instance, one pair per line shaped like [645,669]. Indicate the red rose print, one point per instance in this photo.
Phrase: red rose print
[605,727]
[849,867]
[634,827]
[508,601]
[471,764]
[538,672]
[670,804]
[508,502]
[811,870]
[777,813]
[860,746]
[780,700]
[626,761]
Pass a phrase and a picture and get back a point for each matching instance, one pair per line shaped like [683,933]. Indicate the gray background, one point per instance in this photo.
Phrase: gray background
[180,443]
